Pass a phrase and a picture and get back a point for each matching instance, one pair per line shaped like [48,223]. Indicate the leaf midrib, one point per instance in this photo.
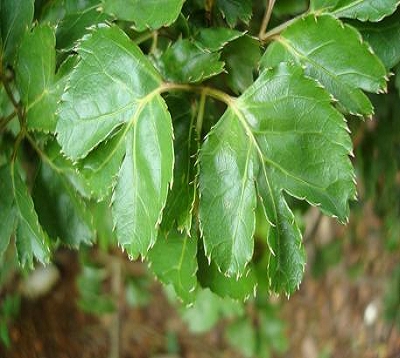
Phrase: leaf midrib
[140,106]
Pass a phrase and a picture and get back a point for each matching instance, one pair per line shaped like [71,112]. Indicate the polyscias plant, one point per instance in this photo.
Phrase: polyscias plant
[196,121]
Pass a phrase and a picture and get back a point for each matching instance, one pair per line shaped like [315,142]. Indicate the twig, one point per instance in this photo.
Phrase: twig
[5,120]
[267,17]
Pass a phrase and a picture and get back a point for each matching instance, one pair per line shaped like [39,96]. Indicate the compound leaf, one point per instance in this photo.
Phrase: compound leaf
[335,55]
[365,10]
[113,105]
[283,134]
[15,18]
[185,62]
[173,260]
[35,73]
[145,14]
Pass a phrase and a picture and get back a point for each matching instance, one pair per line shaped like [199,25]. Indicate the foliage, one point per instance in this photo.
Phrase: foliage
[197,124]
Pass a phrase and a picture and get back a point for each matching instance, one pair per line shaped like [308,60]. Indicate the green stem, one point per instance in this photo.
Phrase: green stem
[17,106]
[143,37]
[154,43]
[200,114]
[20,137]
[278,29]
[42,154]
[207,91]
[267,17]
[5,120]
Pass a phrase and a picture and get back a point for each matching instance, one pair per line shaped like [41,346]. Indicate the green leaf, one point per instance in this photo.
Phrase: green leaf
[15,18]
[365,10]
[282,9]
[315,42]
[242,58]
[228,196]
[287,258]
[185,62]
[173,260]
[215,38]
[54,11]
[35,73]
[273,134]
[146,172]
[384,38]
[7,209]
[100,168]
[113,103]
[17,213]
[235,10]
[73,26]
[144,13]
[181,198]
[238,289]
[6,106]
[106,89]
[52,153]
[60,209]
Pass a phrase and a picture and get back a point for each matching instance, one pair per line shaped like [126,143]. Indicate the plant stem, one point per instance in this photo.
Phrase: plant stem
[5,120]
[17,106]
[154,43]
[277,30]
[207,91]
[20,137]
[200,114]
[143,37]
[267,17]
[43,156]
